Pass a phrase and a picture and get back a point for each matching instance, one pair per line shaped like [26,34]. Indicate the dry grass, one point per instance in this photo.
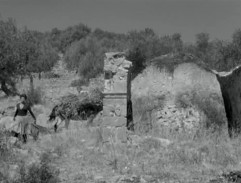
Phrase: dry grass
[151,80]
[53,88]
[81,156]
[183,159]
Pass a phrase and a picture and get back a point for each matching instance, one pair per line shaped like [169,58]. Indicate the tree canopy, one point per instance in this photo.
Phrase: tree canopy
[24,51]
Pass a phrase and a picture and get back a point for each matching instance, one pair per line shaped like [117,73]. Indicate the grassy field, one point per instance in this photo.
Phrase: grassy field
[80,156]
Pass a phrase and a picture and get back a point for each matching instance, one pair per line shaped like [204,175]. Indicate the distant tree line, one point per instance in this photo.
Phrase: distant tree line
[84,49]
[23,51]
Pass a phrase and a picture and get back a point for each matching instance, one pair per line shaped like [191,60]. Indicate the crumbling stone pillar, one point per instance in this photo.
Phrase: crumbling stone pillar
[117,94]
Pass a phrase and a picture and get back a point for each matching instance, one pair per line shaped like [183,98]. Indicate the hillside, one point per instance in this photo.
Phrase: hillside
[170,143]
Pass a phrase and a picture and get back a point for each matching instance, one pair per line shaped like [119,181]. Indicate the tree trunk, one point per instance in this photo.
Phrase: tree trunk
[31,81]
[5,89]
[231,93]
[130,123]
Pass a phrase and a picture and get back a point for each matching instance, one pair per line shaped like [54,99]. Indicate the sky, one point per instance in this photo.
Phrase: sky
[219,18]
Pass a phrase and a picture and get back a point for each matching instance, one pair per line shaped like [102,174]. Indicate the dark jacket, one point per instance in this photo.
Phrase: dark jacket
[24,110]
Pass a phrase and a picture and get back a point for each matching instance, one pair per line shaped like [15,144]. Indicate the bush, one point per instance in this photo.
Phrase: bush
[88,56]
[50,75]
[138,60]
[4,150]
[35,96]
[38,172]
[78,83]
[210,105]
[96,89]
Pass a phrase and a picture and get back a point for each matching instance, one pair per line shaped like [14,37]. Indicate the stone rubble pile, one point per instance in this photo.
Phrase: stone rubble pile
[178,118]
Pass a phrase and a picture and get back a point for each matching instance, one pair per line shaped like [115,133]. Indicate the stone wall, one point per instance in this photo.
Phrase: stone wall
[188,98]
[117,93]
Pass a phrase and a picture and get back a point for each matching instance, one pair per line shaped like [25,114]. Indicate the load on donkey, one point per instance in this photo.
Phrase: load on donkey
[73,107]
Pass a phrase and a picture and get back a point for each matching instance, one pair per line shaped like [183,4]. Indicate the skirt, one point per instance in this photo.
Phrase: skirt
[23,124]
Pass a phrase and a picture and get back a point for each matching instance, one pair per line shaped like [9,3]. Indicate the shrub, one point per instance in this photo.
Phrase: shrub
[95,89]
[210,105]
[35,95]
[138,60]
[50,75]
[86,55]
[4,150]
[79,83]
[38,172]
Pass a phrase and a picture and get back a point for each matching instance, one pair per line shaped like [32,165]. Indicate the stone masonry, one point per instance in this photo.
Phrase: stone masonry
[117,93]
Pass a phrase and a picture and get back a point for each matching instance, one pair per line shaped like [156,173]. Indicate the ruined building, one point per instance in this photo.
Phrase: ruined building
[117,107]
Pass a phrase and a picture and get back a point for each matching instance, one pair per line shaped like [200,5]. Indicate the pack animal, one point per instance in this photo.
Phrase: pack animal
[68,111]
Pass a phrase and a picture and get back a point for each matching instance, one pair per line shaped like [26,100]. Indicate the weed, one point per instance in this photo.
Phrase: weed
[35,95]
[41,172]
[50,75]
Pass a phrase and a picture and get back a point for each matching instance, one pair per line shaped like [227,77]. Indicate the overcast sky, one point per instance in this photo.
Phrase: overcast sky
[219,18]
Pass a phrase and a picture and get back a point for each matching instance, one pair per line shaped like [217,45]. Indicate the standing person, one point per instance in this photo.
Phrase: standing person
[22,109]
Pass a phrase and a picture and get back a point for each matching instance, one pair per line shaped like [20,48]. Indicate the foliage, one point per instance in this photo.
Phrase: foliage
[110,40]
[138,60]
[9,57]
[35,95]
[210,105]
[95,90]
[217,54]
[29,52]
[146,45]
[38,173]
[22,52]
[62,39]
[49,75]
[202,42]
[79,83]
[37,54]
[47,58]
[87,55]
[4,149]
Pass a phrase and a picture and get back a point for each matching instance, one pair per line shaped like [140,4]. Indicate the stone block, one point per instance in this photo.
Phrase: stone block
[121,75]
[120,86]
[114,102]
[126,64]
[121,134]
[114,121]
[106,134]
[108,86]
[115,110]
[108,111]
[111,67]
